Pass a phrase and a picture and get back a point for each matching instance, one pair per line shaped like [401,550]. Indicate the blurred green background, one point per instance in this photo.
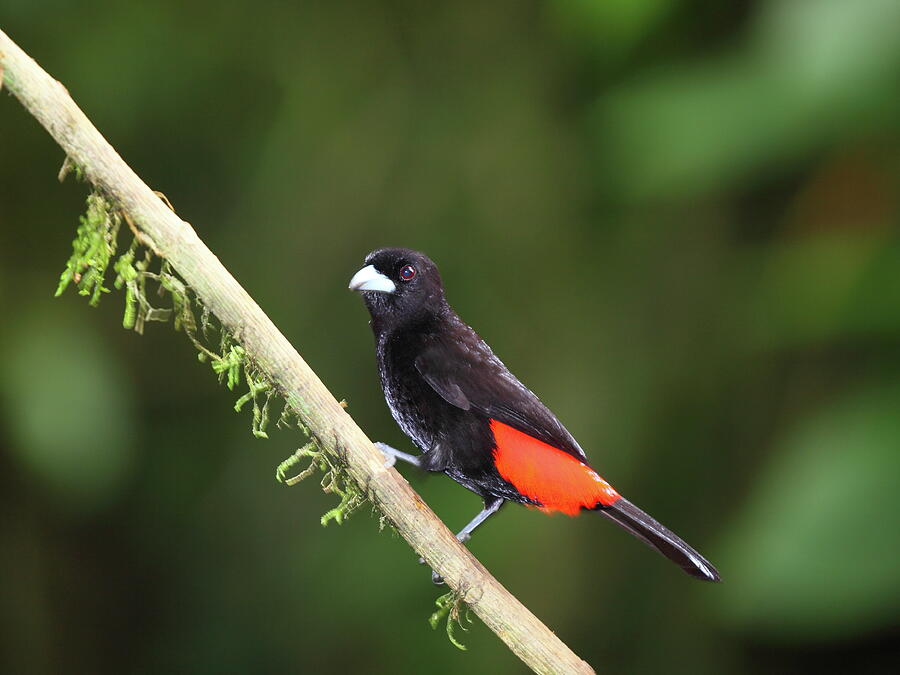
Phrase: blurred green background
[675,221]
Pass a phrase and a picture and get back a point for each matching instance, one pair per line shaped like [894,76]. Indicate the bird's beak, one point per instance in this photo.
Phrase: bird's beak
[370,279]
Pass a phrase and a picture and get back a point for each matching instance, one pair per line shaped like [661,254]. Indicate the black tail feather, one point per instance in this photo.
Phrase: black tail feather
[631,518]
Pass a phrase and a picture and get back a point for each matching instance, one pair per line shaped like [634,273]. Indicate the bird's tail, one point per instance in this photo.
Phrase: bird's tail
[631,518]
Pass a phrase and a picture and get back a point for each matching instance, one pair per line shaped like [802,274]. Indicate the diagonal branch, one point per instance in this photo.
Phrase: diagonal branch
[49,102]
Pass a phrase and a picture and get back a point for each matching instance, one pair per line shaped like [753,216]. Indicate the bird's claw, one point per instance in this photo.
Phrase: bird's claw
[436,578]
[389,458]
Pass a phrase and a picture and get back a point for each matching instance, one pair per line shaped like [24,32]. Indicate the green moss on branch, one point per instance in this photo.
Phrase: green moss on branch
[94,248]
[450,609]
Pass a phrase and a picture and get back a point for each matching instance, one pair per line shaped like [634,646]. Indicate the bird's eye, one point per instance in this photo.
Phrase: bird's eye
[407,272]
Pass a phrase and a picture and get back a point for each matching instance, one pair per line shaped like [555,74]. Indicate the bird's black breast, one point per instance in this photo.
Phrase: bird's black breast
[412,403]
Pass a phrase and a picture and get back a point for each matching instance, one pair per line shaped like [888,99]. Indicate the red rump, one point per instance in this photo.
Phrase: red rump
[556,479]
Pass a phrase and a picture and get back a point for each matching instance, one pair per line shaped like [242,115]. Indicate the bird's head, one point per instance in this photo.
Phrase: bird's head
[399,285]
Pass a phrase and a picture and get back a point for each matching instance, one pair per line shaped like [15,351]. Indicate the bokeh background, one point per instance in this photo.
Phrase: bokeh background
[675,221]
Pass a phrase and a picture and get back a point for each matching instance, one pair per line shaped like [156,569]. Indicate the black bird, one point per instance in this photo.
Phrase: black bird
[473,420]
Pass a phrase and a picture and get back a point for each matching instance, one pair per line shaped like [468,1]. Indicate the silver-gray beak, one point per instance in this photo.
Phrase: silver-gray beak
[370,279]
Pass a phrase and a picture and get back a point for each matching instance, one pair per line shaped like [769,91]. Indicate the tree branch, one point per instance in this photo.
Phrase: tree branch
[49,102]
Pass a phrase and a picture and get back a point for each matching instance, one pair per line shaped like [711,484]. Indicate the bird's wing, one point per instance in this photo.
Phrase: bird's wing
[443,384]
[467,374]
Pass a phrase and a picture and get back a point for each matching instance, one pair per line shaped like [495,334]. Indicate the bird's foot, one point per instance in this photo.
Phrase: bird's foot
[436,578]
[391,455]
[389,458]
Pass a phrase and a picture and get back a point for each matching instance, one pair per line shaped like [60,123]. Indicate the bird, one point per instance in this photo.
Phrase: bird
[473,420]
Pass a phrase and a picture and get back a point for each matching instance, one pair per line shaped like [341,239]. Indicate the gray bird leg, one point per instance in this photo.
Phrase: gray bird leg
[490,508]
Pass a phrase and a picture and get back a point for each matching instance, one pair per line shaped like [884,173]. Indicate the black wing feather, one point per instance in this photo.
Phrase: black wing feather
[442,383]
[466,374]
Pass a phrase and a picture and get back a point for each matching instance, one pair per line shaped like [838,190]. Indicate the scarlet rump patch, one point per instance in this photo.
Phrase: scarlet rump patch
[556,479]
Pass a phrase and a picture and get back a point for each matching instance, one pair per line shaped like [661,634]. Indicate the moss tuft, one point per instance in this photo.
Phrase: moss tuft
[92,249]
[449,608]
[335,480]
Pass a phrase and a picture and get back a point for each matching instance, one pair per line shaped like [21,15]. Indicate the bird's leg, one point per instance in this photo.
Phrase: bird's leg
[491,506]
[392,455]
